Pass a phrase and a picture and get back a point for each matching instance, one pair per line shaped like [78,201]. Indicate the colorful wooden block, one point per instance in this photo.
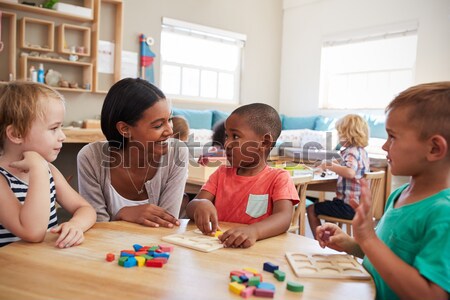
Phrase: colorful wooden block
[161,259]
[236,273]
[243,278]
[129,253]
[251,270]
[130,262]
[137,247]
[218,233]
[264,293]
[266,286]
[235,278]
[153,248]
[122,260]
[110,257]
[166,248]
[294,286]
[254,281]
[270,267]
[140,261]
[279,275]
[154,264]
[248,292]
[236,287]
[162,254]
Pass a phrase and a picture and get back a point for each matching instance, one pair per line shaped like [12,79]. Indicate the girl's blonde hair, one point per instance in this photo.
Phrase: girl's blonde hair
[20,105]
[354,129]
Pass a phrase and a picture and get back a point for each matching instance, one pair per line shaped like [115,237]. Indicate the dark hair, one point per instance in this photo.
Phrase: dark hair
[218,137]
[261,118]
[126,101]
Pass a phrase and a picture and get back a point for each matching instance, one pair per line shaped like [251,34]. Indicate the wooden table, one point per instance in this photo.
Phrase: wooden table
[83,135]
[41,271]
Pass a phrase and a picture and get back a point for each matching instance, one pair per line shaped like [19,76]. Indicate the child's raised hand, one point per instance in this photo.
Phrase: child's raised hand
[205,217]
[331,236]
[70,234]
[30,160]
[239,237]
[363,227]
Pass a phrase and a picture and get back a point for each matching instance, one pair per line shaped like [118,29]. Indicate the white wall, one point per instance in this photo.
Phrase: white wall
[306,22]
[260,20]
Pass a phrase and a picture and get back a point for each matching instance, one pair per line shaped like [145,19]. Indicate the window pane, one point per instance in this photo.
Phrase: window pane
[208,84]
[171,79]
[190,82]
[366,74]
[226,86]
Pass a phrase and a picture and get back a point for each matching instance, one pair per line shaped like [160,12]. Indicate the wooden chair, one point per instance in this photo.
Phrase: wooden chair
[376,189]
[298,216]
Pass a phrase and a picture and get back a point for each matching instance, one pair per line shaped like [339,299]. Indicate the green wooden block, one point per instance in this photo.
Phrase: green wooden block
[122,260]
[253,281]
[153,248]
[294,286]
[279,275]
[235,278]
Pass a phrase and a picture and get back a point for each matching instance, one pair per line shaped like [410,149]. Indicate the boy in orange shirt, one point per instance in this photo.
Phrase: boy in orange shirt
[249,191]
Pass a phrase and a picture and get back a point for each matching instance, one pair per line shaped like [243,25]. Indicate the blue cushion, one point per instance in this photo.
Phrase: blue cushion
[325,123]
[377,126]
[219,116]
[298,122]
[197,119]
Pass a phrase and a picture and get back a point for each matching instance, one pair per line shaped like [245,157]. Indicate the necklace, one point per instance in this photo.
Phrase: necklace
[143,183]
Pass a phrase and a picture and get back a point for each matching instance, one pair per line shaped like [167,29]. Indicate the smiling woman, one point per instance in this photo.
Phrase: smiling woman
[139,173]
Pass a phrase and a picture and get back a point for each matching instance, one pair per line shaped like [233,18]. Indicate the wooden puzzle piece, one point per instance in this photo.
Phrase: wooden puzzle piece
[342,266]
[194,240]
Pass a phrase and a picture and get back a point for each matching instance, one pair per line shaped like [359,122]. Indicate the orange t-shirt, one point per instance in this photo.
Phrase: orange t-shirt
[249,199]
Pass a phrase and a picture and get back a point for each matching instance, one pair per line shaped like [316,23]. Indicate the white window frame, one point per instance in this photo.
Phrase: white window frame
[374,34]
[209,33]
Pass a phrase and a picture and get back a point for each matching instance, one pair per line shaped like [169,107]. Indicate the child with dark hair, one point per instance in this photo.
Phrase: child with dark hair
[248,191]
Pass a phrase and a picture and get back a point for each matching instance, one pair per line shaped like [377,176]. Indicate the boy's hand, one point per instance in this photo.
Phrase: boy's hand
[331,236]
[148,215]
[29,161]
[70,234]
[363,227]
[239,237]
[205,217]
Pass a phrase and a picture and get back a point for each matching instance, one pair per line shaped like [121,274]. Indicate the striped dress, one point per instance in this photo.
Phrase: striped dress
[20,189]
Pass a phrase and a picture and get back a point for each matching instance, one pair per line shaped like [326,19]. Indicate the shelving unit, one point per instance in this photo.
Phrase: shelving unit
[8,55]
[74,36]
[32,33]
[37,34]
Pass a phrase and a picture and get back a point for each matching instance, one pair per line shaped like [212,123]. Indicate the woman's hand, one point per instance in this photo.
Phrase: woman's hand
[239,237]
[148,215]
[70,234]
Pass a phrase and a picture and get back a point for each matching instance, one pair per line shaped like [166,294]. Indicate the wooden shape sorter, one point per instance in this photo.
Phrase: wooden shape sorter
[195,240]
[330,266]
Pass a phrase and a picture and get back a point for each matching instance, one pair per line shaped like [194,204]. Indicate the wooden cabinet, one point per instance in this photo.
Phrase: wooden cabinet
[64,41]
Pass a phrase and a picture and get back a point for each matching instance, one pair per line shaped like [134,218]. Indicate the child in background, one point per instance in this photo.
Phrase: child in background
[407,254]
[31,118]
[181,132]
[218,142]
[353,135]
[180,128]
[249,192]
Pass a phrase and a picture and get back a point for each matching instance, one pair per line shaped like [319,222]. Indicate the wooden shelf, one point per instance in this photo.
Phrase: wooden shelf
[43,11]
[25,25]
[8,57]
[66,41]
[79,135]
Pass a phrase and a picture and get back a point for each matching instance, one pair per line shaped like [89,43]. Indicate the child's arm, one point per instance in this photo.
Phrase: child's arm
[203,212]
[343,171]
[71,232]
[246,236]
[330,235]
[30,220]
[403,279]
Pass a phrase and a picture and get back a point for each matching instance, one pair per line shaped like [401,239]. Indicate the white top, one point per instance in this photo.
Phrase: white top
[118,202]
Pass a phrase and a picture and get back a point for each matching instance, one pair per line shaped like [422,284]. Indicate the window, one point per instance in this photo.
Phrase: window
[367,72]
[199,62]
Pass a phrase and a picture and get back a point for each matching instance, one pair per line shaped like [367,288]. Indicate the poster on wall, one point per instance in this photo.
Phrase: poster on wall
[130,62]
[105,57]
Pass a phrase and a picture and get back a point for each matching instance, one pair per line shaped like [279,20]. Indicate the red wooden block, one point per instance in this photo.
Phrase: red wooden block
[165,248]
[264,293]
[110,257]
[140,252]
[154,263]
[236,273]
[162,259]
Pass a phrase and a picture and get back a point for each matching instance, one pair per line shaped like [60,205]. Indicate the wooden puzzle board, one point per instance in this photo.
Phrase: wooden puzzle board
[330,266]
[195,240]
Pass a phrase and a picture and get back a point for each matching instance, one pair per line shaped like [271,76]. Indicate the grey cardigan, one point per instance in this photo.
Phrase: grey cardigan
[165,189]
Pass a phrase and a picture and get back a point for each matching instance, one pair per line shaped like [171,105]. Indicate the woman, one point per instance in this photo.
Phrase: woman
[139,173]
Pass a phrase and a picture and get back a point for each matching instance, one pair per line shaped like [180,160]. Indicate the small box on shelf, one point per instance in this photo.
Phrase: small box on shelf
[73,39]
[73,9]
[36,34]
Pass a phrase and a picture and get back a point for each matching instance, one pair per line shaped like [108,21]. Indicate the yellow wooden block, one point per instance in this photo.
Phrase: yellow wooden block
[236,288]
[140,261]
[252,270]
[218,232]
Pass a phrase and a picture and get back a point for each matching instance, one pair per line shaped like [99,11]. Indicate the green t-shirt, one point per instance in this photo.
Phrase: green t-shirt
[419,234]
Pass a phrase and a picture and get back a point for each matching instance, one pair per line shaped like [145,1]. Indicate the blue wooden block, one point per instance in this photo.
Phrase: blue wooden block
[266,286]
[131,262]
[163,254]
[243,278]
[270,267]
[137,247]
